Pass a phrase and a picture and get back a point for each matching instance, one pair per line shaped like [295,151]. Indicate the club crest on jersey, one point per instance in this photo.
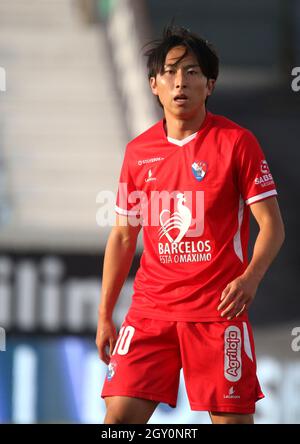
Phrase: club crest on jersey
[199,170]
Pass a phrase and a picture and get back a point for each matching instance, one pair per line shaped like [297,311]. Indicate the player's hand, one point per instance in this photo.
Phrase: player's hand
[237,296]
[106,339]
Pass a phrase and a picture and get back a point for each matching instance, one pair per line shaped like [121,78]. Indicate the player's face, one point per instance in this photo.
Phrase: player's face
[182,88]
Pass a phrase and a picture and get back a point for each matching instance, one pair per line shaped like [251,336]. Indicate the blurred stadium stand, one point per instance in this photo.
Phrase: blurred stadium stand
[62,132]
[76,93]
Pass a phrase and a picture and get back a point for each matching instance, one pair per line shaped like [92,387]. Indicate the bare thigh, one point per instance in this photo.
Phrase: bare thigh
[128,410]
[230,418]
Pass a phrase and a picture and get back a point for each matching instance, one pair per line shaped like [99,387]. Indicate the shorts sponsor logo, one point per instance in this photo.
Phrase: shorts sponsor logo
[231,394]
[232,354]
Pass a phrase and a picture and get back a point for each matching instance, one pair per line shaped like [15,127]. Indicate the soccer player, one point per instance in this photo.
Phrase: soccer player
[189,182]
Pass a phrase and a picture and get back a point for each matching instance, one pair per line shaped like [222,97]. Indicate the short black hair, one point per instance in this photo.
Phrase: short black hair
[179,36]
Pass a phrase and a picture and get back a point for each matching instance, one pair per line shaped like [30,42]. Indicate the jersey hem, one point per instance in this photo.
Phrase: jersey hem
[181,318]
[138,394]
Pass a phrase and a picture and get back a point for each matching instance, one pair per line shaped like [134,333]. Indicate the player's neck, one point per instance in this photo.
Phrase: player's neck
[180,129]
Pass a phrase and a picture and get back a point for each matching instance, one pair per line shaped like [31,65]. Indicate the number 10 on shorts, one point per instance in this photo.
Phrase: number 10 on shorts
[124,339]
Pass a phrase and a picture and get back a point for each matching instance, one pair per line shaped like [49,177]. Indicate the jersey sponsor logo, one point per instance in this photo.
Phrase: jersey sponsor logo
[264,180]
[153,159]
[149,177]
[199,170]
[180,222]
[232,353]
[231,394]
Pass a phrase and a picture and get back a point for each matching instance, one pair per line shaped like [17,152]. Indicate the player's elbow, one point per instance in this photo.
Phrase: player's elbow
[125,237]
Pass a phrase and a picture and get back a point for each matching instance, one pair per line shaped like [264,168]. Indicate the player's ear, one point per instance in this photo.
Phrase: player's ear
[153,85]
[210,86]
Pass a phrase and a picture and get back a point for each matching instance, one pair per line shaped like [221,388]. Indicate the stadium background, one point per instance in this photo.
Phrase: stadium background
[76,92]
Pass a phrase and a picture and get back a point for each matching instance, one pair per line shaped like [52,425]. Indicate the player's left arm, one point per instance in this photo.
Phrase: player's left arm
[239,293]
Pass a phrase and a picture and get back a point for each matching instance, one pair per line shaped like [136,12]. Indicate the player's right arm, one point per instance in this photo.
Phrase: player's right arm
[119,253]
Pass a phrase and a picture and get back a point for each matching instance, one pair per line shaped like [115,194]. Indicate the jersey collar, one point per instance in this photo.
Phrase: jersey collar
[182,141]
[189,138]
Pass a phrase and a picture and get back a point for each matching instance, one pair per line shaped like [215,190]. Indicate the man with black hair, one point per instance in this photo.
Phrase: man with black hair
[190,182]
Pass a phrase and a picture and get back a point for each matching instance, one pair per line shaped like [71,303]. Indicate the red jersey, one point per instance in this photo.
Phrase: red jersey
[192,198]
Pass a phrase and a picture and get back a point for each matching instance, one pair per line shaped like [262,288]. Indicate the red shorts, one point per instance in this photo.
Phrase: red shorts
[217,358]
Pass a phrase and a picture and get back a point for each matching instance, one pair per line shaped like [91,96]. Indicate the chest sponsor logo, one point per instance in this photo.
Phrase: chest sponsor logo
[180,219]
[111,370]
[232,354]
[176,250]
[199,170]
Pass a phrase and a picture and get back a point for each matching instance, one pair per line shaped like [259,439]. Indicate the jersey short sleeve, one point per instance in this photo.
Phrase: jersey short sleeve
[255,180]
[127,201]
